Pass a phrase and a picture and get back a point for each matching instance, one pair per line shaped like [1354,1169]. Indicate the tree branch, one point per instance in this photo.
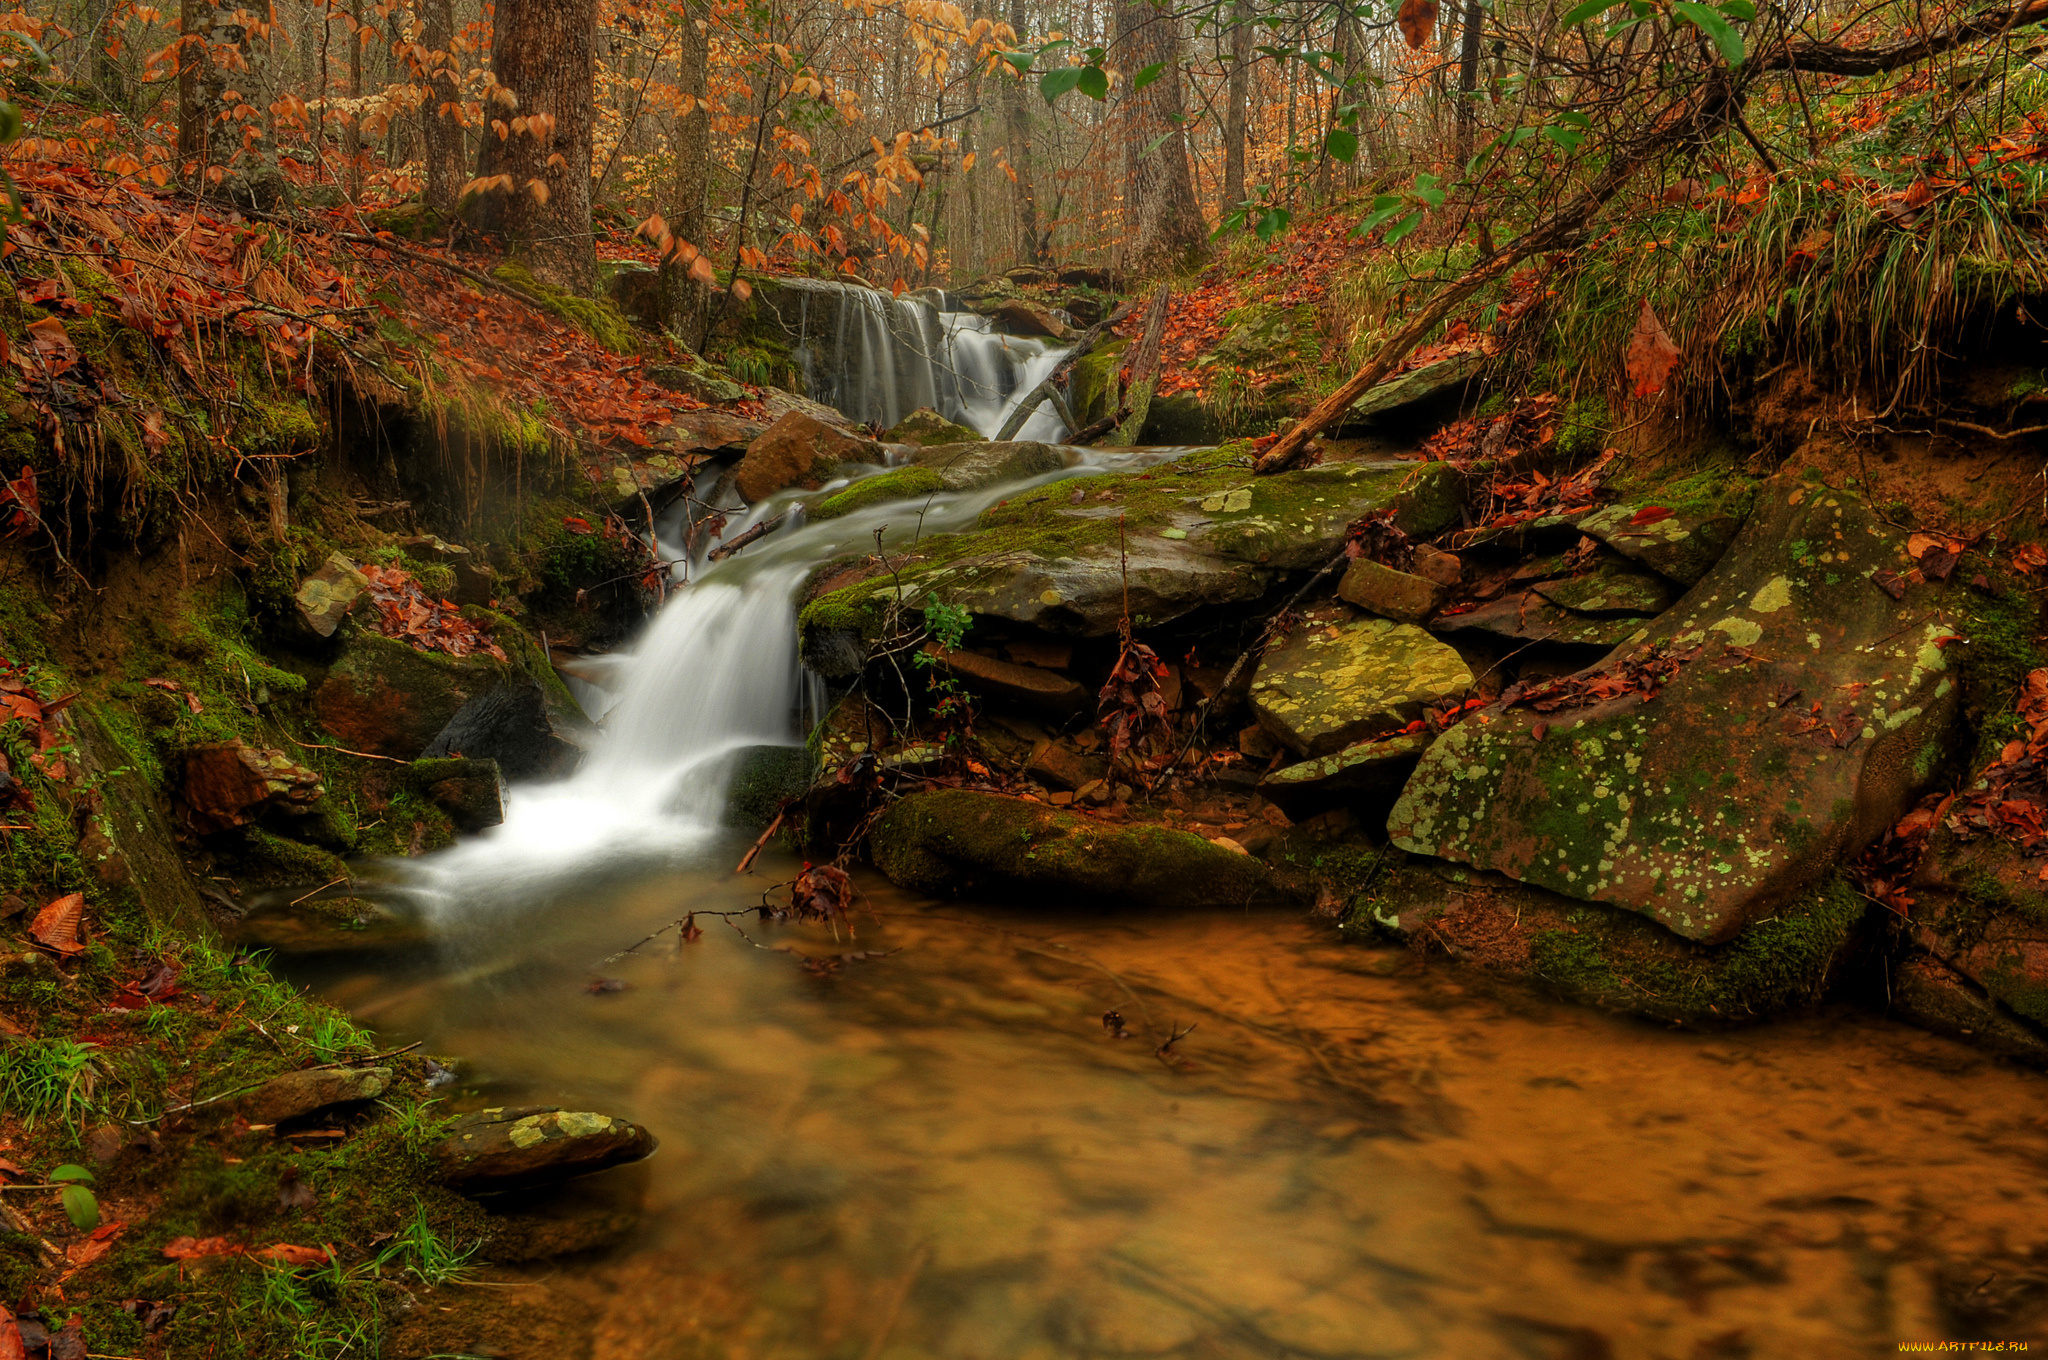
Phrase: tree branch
[1835,59]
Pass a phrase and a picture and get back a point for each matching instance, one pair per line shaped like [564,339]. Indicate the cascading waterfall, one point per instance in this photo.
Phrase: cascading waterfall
[879,358]
[717,671]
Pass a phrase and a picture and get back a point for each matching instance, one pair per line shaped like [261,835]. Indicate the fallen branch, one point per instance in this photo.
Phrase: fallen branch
[759,531]
[1144,371]
[1049,389]
[747,861]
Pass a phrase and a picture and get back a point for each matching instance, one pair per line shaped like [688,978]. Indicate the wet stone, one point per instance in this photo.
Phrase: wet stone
[1611,589]
[1391,594]
[504,1148]
[295,1095]
[925,427]
[1717,798]
[1329,686]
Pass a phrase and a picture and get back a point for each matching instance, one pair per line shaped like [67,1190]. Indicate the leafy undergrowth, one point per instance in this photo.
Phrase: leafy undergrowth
[145,1213]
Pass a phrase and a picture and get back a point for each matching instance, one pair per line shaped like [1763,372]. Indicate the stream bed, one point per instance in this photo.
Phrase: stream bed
[939,1149]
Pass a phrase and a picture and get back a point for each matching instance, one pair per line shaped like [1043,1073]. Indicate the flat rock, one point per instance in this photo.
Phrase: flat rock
[1610,590]
[295,1095]
[1683,545]
[1362,767]
[1021,318]
[1705,806]
[1031,687]
[799,450]
[1528,617]
[1329,686]
[325,598]
[708,431]
[515,1147]
[1419,385]
[695,376]
[971,466]
[956,841]
[1391,594]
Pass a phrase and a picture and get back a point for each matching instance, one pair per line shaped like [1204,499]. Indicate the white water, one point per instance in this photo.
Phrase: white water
[717,671]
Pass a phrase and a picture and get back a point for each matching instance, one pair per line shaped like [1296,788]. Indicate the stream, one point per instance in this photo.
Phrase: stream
[924,1140]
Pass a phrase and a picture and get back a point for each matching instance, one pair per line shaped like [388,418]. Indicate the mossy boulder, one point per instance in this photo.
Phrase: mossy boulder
[1411,389]
[763,779]
[1724,794]
[955,842]
[897,484]
[972,466]
[1616,960]
[1704,517]
[1200,531]
[1091,391]
[390,699]
[524,1146]
[925,427]
[1332,684]
[695,376]
[469,789]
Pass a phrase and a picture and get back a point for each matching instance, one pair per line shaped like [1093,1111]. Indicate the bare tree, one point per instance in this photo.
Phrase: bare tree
[1236,95]
[682,298]
[1163,227]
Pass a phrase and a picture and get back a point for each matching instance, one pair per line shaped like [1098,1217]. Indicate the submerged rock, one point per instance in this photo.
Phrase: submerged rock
[955,841]
[972,466]
[1727,792]
[512,1148]
[346,925]
[1329,686]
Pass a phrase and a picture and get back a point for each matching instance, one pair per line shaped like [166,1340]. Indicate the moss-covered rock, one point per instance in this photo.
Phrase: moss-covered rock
[1328,686]
[391,700]
[763,779]
[897,484]
[954,842]
[1709,804]
[972,466]
[1705,514]
[925,427]
[1617,960]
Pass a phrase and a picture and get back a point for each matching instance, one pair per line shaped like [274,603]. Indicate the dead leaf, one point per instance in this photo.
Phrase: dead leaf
[2029,558]
[188,1248]
[1651,355]
[285,1254]
[57,925]
[53,345]
[10,1337]
[1417,19]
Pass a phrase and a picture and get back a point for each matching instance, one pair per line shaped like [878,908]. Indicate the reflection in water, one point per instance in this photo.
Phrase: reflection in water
[942,1153]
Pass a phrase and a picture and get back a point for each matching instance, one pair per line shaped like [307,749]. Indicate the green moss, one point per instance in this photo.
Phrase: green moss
[600,320]
[270,860]
[899,484]
[1583,432]
[2004,630]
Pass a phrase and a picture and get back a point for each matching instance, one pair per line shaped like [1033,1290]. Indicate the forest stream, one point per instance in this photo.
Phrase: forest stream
[939,1149]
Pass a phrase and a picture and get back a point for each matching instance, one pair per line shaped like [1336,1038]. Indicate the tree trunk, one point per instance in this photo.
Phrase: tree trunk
[1236,94]
[441,128]
[682,298]
[1163,227]
[210,148]
[1033,246]
[1468,77]
[542,53]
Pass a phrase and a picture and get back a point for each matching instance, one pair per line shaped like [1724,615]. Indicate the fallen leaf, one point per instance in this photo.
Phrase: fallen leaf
[285,1254]
[1649,514]
[1651,355]
[56,926]
[1417,19]
[188,1248]
[2029,558]
[10,1337]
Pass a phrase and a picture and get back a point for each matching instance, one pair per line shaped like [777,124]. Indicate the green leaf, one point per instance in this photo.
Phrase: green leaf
[1575,118]
[1578,14]
[1053,84]
[1094,83]
[1272,222]
[1342,145]
[10,121]
[1156,143]
[1714,25]
[1738,9]
[1299,156]
[1020,62]
[1404,226]
[1147,76]
[80,1207]
[71,1172]
[1567,138]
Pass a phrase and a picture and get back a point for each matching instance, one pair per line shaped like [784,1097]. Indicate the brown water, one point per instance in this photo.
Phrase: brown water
[942,1152]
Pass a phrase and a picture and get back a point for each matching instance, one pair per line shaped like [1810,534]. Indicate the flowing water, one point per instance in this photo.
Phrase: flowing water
[925,1141]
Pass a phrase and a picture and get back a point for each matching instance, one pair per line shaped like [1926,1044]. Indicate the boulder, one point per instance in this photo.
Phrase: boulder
[1329,686]
[514,726]
[1388,593]
[522,1146]
[1610,589]
[1979,923]
[799,450]
[1680,534]
[707,432]
[232,784]
[386,698]
[1031,687]
[779,402]
[897,484]
[956,841]
[1377,766]
[1447,569]
[924,427]
[1196,534]
[325,598]
[1528,617]
[763,779]
[971,466]
[1726,793]
[1616,960]
[697,377]
[468,789]
[1419,385]
[296,1095]
[1022,318]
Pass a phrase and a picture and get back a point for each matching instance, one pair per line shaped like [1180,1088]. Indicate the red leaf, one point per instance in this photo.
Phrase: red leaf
[293,1256]
[1649,514]
[1417,18]
[186,1248]
[1651,355]
[57,925]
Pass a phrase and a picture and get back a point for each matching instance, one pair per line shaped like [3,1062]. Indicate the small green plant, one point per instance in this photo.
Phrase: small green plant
[417,1127]
[333,1037]
[81,1206]
[42,1077]
[945,625]
[434,1260]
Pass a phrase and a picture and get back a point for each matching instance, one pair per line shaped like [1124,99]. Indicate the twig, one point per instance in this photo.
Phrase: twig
[315,746]
[747,862]
[317,891]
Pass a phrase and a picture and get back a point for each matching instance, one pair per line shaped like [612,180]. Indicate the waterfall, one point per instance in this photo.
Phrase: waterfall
[878,358]
[717,670]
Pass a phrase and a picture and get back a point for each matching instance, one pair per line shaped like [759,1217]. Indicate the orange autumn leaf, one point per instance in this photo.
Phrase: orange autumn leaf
[56,926]
[1651,355]
[1417,19]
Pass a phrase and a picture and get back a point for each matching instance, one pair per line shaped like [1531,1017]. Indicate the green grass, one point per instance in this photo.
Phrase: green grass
[41,1078]
[428,1256]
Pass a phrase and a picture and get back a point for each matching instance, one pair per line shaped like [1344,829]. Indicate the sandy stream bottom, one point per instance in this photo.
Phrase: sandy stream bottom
[942,1152]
